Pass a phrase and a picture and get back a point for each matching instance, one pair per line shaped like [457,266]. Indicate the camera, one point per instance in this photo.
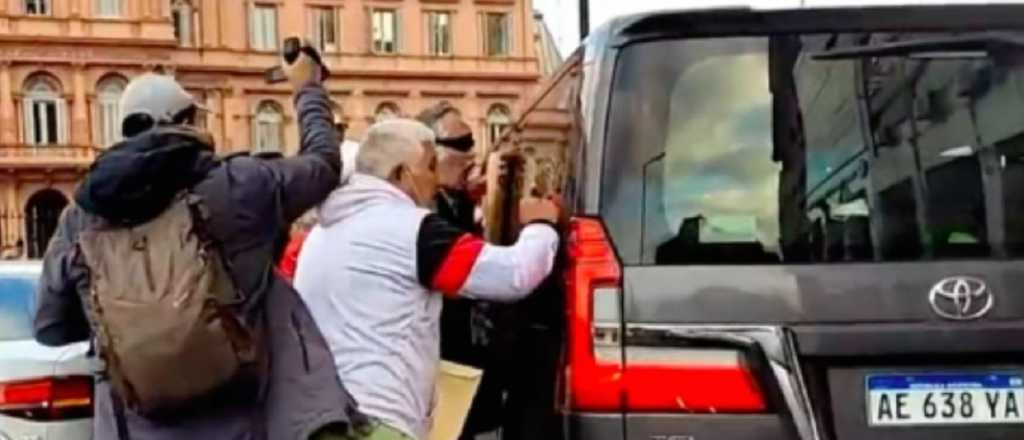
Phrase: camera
[290,51]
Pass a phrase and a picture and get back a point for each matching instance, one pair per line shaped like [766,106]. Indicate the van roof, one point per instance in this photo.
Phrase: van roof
[826,19]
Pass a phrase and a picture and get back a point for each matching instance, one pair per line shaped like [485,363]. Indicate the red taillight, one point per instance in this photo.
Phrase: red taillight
[667,381]
[593,385]
[50,398]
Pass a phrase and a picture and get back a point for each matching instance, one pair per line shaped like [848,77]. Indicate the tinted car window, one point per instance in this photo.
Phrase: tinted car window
[817,148]
[17,299]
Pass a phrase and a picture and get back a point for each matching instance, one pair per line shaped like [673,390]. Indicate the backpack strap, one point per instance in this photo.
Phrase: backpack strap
[120,419]
[200,220]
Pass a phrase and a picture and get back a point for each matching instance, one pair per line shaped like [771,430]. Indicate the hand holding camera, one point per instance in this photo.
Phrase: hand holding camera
[301,64]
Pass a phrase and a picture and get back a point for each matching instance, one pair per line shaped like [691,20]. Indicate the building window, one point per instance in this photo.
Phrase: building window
[439,33]
[184,23]
[263,27]
[268,133]
[108,102]
[498,119]
[497,34]
[38,7]
[108,8]
[42,213]
[385,31]
[340,121]
[199,96]
[44,112]
[386,111]
[323,29]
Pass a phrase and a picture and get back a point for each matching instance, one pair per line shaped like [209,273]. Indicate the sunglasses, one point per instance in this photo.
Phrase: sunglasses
[462,143]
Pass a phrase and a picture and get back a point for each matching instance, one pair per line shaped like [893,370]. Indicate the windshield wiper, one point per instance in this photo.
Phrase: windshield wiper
[976,45]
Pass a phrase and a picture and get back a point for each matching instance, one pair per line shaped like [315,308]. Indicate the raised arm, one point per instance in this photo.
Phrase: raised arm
[457,263]
[306,179]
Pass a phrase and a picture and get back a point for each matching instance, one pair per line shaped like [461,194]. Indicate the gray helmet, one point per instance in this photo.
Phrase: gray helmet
[159,96]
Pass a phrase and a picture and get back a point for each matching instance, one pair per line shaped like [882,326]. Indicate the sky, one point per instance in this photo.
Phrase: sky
[562,16]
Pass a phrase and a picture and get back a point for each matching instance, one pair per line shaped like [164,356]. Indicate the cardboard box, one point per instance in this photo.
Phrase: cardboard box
[455,389]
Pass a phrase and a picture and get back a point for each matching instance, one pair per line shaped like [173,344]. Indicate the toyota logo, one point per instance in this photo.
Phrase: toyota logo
[961,298]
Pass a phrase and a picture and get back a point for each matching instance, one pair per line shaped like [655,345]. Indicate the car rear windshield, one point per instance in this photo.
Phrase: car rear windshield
[817,148]
[17,299]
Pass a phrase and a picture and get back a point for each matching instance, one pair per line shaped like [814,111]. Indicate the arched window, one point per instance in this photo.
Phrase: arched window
[268,128]
[184,14]
[38,7]
[385,111]
[41,214]
[108,106]
[498,119]
[44,112]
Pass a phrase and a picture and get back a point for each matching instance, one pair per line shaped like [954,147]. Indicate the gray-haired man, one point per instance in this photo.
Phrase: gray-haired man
[374,270]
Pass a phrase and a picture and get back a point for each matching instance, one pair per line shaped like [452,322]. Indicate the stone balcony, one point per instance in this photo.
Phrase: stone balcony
[19,156]
[366,64]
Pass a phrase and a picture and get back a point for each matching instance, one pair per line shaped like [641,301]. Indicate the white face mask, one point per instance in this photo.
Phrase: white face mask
[414,191]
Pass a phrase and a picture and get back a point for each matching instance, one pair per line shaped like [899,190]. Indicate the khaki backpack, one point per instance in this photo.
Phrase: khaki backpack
[165,310]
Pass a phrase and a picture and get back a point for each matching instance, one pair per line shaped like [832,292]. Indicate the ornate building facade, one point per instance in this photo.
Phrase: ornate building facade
[64,64]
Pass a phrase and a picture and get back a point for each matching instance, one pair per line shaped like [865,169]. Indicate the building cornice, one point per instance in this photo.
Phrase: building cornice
[88,41]
[497,95]
[273,90]
[443,93]
[397,93]
[36,40]
[374,74]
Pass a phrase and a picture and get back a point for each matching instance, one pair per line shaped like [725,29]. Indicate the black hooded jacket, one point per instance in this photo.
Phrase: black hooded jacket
[135,180]
[250,201]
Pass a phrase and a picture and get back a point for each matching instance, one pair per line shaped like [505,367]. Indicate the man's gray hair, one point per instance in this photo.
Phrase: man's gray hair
[431,116]
[391,143]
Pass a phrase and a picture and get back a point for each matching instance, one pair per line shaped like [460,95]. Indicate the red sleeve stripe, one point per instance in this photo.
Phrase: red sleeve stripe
[457,264]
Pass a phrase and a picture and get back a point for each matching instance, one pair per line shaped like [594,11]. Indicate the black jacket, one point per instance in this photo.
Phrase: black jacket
[250,201]
[457,208]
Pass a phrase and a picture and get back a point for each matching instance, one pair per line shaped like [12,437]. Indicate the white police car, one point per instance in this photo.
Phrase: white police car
[45,392]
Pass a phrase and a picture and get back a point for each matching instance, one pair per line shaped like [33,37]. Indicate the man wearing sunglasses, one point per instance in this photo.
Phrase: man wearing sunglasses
[466,325]
[461,185]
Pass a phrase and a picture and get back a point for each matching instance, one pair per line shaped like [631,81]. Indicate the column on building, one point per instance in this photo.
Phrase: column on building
[291,19]
[80,109]
[524,34]
[215,119]
[8,120]
[210,23]
[234,23]
[236,118]
[413,32]
[13,222]
[360,111]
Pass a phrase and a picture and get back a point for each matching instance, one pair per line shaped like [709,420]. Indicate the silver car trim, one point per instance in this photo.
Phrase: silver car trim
[779,347]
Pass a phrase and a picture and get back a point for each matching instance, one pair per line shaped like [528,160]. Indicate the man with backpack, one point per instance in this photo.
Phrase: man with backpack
[165,262]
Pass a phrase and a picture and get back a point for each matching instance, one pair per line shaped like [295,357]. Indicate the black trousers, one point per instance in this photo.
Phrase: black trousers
[518,391]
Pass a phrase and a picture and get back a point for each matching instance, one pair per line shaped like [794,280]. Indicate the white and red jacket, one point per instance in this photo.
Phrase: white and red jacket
[373,272]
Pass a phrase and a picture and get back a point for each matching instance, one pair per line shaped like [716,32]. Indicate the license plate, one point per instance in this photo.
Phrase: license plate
[945,399]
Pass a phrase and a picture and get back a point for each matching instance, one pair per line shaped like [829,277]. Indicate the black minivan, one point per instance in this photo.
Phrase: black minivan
[797,224]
